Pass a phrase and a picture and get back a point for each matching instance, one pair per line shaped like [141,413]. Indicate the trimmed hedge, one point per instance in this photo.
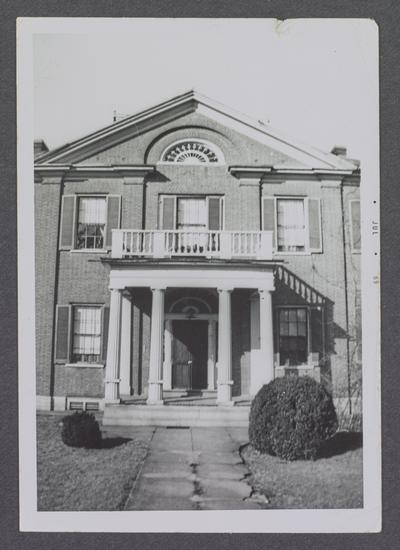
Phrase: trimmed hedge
[81,429]
[290,417]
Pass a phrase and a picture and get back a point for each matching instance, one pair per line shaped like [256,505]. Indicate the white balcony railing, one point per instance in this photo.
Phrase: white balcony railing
[132,243]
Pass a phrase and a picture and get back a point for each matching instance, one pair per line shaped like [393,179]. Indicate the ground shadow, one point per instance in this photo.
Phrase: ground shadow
[340,443]
[111,442]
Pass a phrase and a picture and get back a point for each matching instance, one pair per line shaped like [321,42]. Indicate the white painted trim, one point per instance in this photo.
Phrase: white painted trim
[223,278]
[84,400]
[222,114]
[306,251]
[214,148]
[86,365]
[196,317]
[43,403]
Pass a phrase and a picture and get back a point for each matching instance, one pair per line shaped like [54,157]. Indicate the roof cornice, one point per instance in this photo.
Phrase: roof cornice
[93,170]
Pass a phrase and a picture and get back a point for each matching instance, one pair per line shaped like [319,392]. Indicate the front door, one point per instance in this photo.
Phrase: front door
[189,354]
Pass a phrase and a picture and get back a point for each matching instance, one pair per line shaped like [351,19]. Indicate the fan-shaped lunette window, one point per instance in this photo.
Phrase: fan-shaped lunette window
[192,152]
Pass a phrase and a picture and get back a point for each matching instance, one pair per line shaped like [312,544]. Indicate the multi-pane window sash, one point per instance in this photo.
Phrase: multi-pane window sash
[292,336]
[86,346]
[91,222]
[291,225]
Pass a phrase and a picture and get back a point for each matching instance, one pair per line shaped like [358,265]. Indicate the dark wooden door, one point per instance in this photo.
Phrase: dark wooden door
[189,354]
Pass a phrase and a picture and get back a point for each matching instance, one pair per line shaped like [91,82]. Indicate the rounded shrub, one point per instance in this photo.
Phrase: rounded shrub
[81,429]
[290,417]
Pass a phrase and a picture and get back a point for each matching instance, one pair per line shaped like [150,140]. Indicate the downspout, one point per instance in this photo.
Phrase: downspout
[56,279]
[346,298]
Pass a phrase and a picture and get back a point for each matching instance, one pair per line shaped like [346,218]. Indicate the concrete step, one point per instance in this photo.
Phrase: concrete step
[160,415]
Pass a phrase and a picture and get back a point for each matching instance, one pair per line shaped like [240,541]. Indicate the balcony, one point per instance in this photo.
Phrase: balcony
[224,245]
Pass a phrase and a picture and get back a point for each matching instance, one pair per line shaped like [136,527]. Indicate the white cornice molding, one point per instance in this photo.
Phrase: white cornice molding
[210,108]
[93,170]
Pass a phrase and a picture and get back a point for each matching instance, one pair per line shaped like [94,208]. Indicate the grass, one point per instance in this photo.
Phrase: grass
[332,481]
[72,478]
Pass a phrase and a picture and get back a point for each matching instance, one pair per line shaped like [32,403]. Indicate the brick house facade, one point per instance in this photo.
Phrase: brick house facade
[189,249]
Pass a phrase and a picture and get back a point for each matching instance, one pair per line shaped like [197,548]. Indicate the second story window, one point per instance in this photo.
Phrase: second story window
[192,214]
[87,221]
[91,222]
[291,228]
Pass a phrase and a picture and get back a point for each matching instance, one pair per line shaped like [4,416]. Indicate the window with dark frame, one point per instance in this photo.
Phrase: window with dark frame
[86,339]
[293,336]
[91,223]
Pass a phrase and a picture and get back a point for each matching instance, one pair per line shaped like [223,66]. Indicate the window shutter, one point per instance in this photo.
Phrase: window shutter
[355,225]
[106,316]
[317,334]
[168,213]
[113,216]
[314,225]
[63,324]
[67,222]
[268,222]
[214,213]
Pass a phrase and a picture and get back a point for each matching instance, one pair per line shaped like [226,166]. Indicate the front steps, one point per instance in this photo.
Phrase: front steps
[176,415]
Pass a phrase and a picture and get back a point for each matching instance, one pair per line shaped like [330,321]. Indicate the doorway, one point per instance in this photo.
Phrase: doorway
[189,354]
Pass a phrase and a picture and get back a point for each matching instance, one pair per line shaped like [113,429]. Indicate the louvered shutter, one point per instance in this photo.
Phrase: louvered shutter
[214,213]
[67,222]
[317,334]
[106,317]
[63,325]
[268,222]
[355,225]
[314,225]
[168,213]
[113,217]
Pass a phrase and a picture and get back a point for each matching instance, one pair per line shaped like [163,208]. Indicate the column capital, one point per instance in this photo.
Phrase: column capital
[154,288]
[265,290]
[227,289]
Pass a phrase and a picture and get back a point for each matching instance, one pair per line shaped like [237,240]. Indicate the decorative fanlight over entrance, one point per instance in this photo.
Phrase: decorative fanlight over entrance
[191,152]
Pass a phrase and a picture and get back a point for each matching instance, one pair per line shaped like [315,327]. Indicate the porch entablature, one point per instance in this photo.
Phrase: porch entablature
[164,276]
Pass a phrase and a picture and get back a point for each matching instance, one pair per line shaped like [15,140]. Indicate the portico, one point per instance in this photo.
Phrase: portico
[173,331]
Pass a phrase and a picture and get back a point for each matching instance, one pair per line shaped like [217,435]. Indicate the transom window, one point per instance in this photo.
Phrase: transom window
[291,227]
[86,343]
[91,222]
[292,336]
[192,152]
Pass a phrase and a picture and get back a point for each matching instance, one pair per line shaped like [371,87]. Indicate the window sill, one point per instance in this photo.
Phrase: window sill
[86,365]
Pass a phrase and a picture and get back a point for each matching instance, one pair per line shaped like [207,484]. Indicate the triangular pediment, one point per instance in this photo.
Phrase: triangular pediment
[129,140]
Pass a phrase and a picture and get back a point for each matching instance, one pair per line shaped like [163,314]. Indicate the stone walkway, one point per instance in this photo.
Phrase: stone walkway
[192,469]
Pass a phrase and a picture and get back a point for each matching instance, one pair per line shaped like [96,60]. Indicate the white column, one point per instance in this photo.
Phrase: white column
[156,347]
[224,381]
[167,374]
[256,367]
[111,393]
[266,336]
[211,354]
[126,342]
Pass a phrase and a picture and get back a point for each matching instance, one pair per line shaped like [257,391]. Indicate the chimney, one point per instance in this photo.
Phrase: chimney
[339,151]
[39,147]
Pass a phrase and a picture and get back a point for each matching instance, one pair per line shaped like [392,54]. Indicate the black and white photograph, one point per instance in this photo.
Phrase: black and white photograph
[198,252]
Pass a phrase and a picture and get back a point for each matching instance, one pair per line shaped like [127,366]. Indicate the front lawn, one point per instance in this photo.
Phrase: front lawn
[70,478]
[333,481]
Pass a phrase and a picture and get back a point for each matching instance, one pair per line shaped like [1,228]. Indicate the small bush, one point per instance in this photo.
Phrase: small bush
[290,417]
[81,429]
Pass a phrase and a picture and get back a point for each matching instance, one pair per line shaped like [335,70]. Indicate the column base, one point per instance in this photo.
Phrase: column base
[112,401]
[154,402]
[225,403]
